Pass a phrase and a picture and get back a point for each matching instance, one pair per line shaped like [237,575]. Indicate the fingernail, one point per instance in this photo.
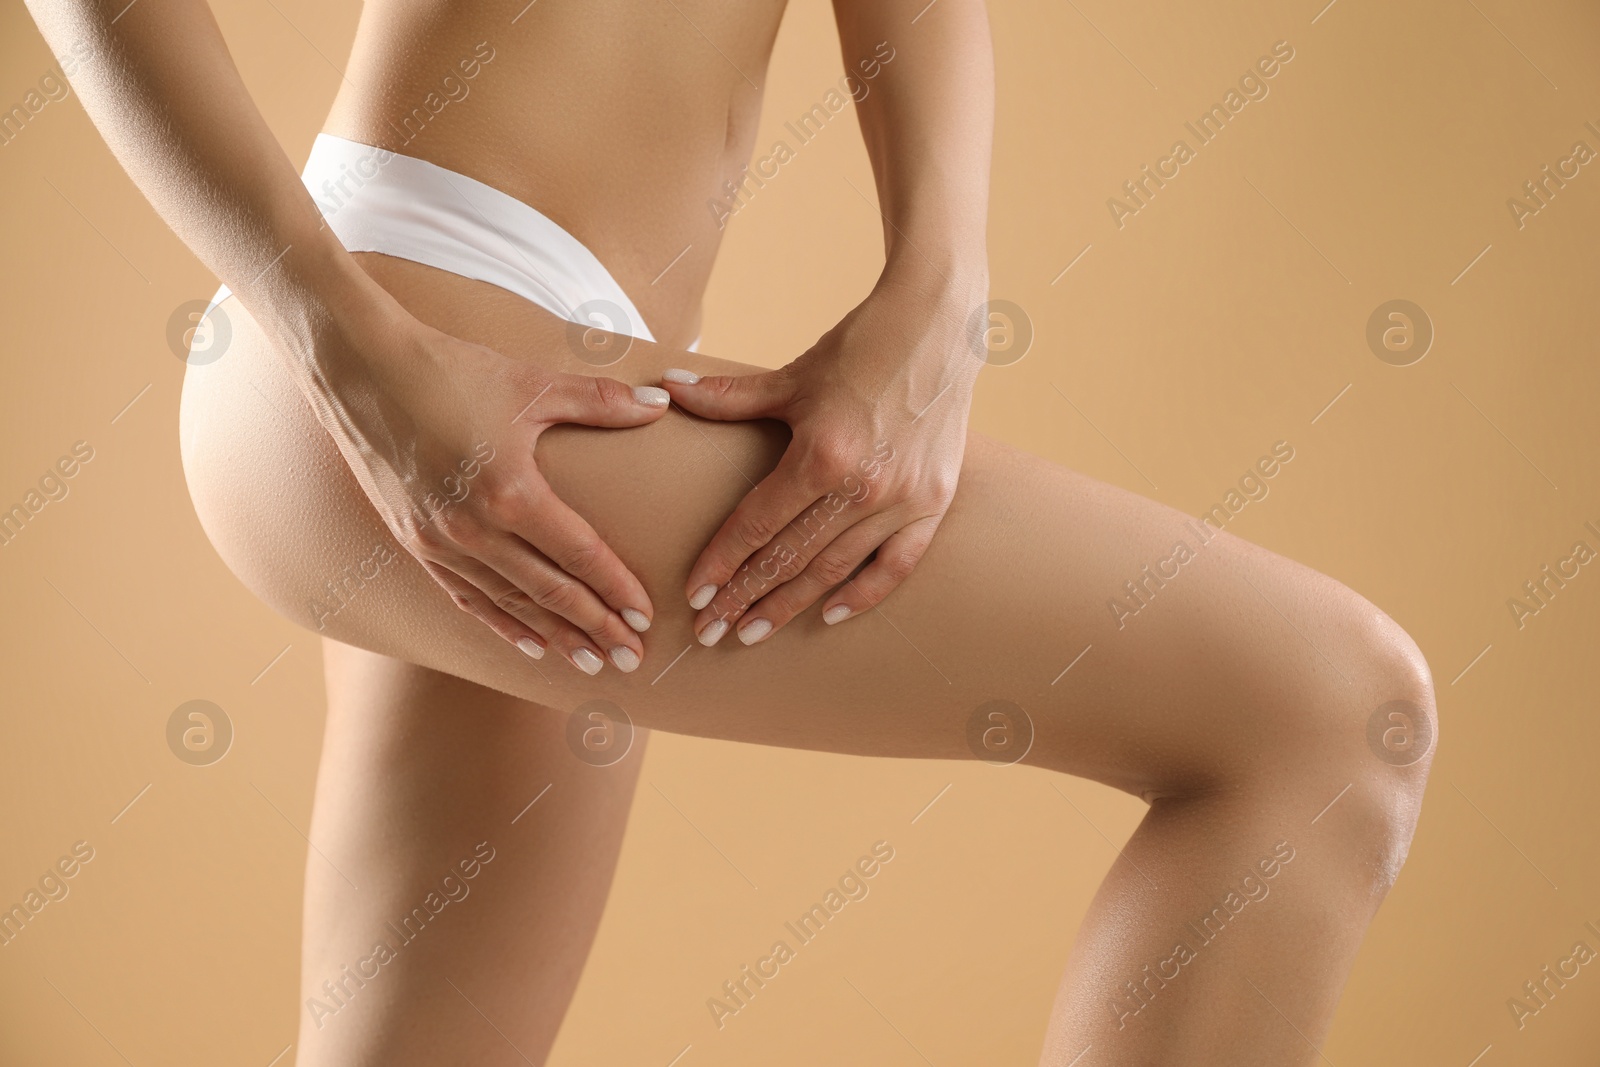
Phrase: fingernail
[702,596]
[713,633]
[625,658]
[531,648]
[679,376]
[755,631]
[587,662]
[636,619]
[650,396]
[837,613]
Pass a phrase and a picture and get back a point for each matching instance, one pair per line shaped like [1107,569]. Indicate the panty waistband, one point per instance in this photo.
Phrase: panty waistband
[380,201]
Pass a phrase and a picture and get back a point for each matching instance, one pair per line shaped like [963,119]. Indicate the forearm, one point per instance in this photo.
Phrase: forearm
[928,124]
[163,91]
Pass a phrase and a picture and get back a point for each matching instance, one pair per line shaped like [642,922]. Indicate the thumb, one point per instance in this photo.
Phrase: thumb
[729,398]
[595,402]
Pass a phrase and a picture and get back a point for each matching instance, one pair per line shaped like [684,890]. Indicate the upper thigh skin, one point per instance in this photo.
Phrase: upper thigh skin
[1227,653]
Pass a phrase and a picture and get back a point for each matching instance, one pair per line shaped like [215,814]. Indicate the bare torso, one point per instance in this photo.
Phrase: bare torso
[617,119]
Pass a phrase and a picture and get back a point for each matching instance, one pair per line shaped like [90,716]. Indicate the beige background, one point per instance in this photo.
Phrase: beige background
[1224,317]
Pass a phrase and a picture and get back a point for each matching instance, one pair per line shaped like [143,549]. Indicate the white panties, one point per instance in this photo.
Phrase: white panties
[380,201]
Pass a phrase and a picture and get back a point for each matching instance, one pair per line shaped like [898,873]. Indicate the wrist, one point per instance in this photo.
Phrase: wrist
[938,302]
[945,270]
[941,286]
[314,297]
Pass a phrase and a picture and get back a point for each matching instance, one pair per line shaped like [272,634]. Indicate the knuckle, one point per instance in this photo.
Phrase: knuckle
[453,527]
[850,491]
[792,565]
[514,602]
[608,392]
[607,635]
[582,559]
[757,528]
[559,635]
[562,597]
[499,500]
[830,458]
[898,565]
[830,569]
[428,541]
[778,565]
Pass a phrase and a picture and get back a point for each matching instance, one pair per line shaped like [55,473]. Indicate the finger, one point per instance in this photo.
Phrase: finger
[730,398]
[781,560]
[523,579]
[897,557]
[758,520]
[568,641]
[831,567]
[469,598]
[592,401]
[545,521]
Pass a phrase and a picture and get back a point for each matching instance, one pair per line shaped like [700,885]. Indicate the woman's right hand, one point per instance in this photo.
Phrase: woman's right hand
[441,435]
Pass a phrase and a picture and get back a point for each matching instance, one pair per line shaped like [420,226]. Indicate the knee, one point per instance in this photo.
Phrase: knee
[1327,725]
[1374,730]
[1402,729]
[1387,703]
[1402,734]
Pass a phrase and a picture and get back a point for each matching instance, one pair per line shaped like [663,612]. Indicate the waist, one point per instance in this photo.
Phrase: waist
[615,122]
[380,201]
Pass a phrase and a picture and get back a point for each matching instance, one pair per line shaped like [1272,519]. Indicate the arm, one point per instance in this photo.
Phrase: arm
[409,407]
[878,406]
[928,123]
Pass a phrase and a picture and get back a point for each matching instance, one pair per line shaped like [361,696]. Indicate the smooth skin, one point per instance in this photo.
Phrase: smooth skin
[1236,702]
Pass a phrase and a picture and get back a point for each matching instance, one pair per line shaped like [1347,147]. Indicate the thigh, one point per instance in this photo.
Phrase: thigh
[1139,643]
[461,863]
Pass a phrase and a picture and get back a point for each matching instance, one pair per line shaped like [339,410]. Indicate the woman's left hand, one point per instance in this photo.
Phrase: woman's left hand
[878,409]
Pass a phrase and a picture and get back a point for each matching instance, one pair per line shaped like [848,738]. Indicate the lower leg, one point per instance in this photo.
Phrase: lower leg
[448,914]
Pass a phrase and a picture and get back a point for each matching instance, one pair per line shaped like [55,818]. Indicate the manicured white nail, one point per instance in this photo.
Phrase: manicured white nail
[636,619]
[530,647]
[587,661]
[679,376]
[650,396]
[754,631]
[713,633]
[702,596]
[837,613]
[625,658]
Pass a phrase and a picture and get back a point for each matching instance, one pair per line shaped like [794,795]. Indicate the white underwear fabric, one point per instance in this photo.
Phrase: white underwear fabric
[380,201]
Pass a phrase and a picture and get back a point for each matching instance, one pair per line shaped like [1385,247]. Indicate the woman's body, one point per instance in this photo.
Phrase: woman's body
[1237,702]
